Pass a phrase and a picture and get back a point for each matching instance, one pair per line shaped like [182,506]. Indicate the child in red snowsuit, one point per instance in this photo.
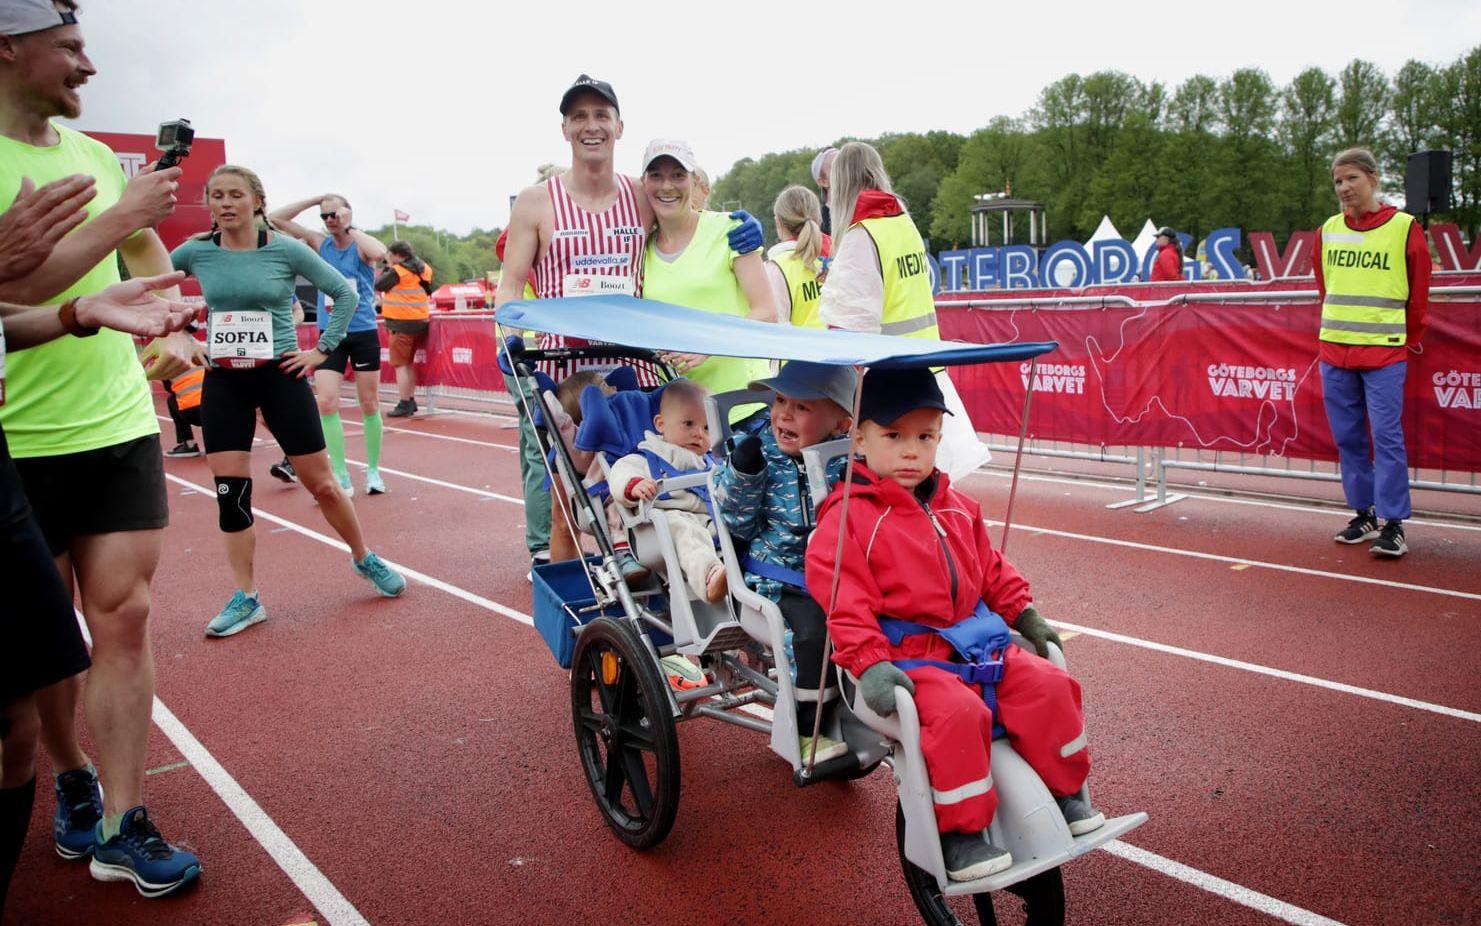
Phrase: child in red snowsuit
[917,551]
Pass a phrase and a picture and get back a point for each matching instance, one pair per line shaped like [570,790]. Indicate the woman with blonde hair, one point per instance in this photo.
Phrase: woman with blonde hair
[247,269]
[880,282]
[794,263]
[1373,277]
[699,200]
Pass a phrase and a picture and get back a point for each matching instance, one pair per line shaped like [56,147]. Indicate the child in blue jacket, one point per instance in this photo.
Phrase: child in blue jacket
[763,498]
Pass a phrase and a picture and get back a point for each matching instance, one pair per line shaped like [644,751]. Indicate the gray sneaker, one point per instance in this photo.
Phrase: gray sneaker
[969,856]
[1081,817]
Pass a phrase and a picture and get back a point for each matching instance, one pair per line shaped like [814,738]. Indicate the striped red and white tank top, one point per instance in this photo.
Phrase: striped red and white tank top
[590,253]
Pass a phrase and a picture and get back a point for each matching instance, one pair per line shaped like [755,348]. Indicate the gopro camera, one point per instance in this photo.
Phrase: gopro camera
[174,139]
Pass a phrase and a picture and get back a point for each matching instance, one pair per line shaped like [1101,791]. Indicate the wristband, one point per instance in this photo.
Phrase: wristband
[68,317]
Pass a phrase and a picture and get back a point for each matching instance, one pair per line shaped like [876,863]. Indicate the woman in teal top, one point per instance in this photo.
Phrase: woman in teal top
[689,262]
[246,271]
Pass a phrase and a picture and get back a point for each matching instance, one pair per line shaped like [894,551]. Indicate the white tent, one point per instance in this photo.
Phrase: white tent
[1104,232]
[1144,241]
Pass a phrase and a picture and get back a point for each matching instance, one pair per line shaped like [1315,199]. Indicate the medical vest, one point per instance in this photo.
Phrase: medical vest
[1367,282]
[803,289]
[909,306]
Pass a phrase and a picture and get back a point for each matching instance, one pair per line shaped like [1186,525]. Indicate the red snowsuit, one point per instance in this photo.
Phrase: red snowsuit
[924,557]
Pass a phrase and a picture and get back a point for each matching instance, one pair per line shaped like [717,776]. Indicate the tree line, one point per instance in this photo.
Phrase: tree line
[1212,152]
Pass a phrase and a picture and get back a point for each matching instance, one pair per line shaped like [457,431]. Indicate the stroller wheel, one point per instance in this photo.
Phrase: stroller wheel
[625,735]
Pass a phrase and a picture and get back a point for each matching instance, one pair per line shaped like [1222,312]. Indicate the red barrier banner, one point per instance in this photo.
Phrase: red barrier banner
[460,351]
[1232,377]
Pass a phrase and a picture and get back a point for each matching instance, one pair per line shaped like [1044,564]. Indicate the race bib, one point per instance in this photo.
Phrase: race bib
[241,340]
[580,284]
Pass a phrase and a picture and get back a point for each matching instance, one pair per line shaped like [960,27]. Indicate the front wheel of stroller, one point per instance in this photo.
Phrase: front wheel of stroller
[1042,895]
[624,733]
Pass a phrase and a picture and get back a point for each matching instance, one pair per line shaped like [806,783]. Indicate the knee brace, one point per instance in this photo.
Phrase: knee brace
[234,499]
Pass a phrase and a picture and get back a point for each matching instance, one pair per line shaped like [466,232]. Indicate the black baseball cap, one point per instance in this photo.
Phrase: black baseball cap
[1166,231]
[590,84]
[889,395]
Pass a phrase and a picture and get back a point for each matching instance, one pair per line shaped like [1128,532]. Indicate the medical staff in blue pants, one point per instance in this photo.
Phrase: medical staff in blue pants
[1373,273]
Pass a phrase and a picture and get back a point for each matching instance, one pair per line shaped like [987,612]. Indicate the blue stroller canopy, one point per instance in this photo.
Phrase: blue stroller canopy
[654,325]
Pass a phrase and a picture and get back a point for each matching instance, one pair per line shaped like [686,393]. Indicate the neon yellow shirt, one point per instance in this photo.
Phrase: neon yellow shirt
[702,277]
[73,394]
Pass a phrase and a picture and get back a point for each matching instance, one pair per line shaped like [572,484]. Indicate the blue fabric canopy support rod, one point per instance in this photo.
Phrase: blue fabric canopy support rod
[654,325]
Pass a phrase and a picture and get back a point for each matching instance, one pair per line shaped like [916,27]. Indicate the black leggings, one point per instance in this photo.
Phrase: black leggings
[230,400]
[809,630]
[182,419]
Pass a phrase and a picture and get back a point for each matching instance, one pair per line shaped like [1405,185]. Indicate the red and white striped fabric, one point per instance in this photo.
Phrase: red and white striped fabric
[590,253]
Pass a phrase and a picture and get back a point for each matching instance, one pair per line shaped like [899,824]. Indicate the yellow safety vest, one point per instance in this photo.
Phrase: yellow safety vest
[803,289]
[407,301]
[909,307]
[1367,282]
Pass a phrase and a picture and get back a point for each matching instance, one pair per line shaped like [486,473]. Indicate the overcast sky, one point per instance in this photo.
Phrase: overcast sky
[443,108]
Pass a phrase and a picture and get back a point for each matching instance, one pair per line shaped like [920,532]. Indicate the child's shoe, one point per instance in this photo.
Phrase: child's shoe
[683,675]
[1078,813]
[633,572]
[969,856]
[828,748]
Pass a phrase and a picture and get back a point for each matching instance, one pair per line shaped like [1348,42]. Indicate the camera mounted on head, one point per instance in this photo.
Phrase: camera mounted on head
[174,139]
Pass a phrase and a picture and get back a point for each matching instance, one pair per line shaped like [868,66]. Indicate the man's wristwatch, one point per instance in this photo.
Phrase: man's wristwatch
[68,317]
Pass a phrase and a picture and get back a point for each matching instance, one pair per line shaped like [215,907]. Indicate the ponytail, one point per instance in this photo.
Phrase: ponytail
[798,211]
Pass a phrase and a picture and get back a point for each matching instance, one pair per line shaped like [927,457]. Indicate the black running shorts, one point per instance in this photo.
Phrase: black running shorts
[39,640]
[360,349]
[103,491]
[230,400]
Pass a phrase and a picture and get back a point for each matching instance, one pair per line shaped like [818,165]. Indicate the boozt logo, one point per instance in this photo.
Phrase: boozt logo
[1457,388]
[910,265]
[1231,381]
[463,355]
[1065,378]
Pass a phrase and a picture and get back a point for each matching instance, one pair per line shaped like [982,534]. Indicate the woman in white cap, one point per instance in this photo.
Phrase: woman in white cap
[822,165]
[690,262]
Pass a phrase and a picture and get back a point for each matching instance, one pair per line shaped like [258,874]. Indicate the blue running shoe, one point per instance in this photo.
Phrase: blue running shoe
[346,484]
[374,484]
[241,612]
[79,808]
[386,580]
[140,854]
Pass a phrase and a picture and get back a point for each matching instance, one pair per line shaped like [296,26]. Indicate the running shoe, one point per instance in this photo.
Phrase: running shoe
[185,449]
[79,808]
[683,675]
[140,854]
[404,409]
[1363,527]
[969,856]
[241,612]
[540,558]
[386,580]
[1390,541]
[374,484]
[346,484]
[828,748]
[1081,817]
[283,471]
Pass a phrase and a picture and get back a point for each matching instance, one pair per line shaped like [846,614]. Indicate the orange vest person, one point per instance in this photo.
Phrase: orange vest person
[405,285]
[183,399]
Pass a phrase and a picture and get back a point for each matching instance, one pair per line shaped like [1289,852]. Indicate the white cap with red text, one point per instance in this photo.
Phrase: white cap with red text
[671,148]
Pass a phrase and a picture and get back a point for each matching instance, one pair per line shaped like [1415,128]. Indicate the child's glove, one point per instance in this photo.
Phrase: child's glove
[877,685]
[1037,631]
[746,456]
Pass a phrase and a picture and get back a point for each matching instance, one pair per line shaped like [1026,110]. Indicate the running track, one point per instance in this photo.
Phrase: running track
[1302,723]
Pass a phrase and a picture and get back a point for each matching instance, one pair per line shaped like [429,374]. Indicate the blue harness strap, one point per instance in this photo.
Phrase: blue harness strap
[979,640]
[663,469]
[790,577]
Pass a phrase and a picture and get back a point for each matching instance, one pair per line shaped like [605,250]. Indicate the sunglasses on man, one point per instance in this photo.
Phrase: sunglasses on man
[326,216]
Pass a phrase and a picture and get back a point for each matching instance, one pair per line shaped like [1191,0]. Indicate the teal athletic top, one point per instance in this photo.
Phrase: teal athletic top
[262,279]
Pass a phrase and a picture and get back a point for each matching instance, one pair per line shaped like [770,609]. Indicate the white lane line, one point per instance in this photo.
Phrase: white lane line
[1273,673]
[483,493]
[304,874]
[1162,647]
[407,571]
[1216,557]
[1193,493]
[1165,866]
[446,437]
[1228,890]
